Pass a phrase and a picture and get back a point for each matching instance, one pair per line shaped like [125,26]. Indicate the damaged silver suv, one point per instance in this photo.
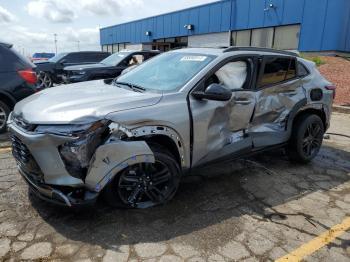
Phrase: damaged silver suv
[133,139]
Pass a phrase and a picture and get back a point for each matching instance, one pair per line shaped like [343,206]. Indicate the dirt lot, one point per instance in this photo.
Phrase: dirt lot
[337,70]
[256,210]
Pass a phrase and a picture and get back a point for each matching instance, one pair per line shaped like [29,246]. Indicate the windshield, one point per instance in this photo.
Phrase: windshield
[114,59]
[57,57]
[167,72]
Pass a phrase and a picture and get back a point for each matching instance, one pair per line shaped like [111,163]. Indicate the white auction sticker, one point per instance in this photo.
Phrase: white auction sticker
[194,58]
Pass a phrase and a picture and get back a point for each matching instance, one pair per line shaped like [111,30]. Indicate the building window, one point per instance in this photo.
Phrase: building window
[241,38]
[287,37]
[281,37]
[262,37]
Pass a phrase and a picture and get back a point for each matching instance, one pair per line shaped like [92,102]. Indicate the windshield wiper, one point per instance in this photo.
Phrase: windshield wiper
[132,86]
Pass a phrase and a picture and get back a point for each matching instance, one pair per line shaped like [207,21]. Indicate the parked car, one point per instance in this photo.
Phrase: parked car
[17,81]
[41,56]
[110,67]
[133,140]
[50,72]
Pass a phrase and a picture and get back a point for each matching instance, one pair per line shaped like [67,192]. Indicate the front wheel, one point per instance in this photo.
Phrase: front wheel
[307,138]
[145,184]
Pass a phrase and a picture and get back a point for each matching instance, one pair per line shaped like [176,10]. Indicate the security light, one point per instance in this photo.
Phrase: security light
[148,33]
[189,27]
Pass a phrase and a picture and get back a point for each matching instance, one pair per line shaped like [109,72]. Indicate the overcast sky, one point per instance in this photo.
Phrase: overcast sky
[30,25]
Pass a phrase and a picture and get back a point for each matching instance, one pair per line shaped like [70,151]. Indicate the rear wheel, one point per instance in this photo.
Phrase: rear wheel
[44,80]
[307,138]
[4,114]
[145,184]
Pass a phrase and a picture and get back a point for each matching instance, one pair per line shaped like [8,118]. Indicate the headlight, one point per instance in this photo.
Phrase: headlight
[71,130]
[78,72]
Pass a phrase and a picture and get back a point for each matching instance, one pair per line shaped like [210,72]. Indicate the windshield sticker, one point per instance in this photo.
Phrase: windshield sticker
[194,58]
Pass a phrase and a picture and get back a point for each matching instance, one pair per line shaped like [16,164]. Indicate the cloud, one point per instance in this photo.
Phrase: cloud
[52,10]
[30,40]
[65,11]
[108,7]
[5,16]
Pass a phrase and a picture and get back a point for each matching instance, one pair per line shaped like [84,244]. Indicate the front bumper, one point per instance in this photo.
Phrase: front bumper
[55,196]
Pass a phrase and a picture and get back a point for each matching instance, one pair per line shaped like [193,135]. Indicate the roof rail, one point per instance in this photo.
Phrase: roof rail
[259,49]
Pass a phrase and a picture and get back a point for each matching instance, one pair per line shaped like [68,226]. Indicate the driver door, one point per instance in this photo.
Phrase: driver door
[219,127]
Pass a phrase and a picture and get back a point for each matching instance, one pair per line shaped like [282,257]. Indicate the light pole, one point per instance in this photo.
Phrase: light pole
[55,40]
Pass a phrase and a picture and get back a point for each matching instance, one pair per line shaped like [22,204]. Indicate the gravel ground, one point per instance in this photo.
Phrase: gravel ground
[256,210]
[337,70]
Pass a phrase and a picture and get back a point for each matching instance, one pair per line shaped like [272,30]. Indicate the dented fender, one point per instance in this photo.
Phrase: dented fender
[112,157]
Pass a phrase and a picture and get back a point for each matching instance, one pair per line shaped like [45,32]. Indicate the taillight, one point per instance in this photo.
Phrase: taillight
[332,88]
[28,75]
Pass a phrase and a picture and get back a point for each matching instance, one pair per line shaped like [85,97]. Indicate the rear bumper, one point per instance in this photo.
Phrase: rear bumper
[55,196]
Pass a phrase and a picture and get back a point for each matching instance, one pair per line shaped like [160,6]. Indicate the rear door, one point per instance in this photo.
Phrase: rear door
[278,90]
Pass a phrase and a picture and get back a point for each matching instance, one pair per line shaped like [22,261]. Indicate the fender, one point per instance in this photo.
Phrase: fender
[112,157]
[9,97]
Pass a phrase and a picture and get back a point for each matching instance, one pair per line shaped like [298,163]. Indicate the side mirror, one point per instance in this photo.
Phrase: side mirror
[214,92]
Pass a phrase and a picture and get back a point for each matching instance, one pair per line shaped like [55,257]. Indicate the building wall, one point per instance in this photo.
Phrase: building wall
[325,24]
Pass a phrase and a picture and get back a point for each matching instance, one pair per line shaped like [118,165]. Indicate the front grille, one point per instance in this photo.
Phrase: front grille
[25,160]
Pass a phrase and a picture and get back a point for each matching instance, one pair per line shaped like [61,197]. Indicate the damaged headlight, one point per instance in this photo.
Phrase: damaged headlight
[77,154]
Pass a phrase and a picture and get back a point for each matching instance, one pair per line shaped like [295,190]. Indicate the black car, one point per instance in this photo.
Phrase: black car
[17,81]
[50,72]
[110,67]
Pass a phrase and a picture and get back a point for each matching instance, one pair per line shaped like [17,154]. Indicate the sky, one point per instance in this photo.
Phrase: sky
[30,25]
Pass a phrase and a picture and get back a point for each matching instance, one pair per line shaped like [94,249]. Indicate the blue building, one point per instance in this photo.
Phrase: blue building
[306,25]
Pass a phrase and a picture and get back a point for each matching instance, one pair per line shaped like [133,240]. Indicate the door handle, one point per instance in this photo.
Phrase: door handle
[242,101]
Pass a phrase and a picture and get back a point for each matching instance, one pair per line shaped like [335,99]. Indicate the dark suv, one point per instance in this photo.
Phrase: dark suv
[110,67]
[50,72]
[17,81]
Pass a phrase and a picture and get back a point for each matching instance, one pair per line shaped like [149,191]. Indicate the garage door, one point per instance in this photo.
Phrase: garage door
[209,40]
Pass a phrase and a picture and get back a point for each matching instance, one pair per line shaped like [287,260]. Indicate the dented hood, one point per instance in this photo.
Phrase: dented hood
[81,103]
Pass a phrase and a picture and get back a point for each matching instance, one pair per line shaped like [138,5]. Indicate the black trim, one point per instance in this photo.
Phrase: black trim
[259,49]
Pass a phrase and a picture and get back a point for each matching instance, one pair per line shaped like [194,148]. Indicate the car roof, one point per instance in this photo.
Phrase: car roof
[239,50]
[6,44]
[88,52]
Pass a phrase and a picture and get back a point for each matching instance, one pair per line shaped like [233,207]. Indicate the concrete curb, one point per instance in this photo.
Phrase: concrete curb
[341,109]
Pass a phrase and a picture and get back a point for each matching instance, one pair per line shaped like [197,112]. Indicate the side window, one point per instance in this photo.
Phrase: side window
[276,70]
[136,60]
[302,71]
[72,58]
[232,75]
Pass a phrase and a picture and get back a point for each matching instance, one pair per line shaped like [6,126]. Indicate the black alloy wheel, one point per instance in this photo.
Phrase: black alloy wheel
[145,185]
[306,139]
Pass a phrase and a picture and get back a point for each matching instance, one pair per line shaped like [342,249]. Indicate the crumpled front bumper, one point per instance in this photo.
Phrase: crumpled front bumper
[56,196]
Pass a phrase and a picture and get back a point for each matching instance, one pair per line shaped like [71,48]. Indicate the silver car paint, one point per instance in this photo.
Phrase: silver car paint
[141,114]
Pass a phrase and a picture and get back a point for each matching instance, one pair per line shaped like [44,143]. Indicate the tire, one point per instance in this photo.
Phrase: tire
[306,140]
[44,80]
[4,115]
[145,185]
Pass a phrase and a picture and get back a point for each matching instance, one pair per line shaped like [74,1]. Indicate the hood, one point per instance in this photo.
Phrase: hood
[85,67]
[81,103]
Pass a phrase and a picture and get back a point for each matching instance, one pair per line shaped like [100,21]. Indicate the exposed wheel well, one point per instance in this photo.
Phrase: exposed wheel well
[312,111]
[8,101]
[166,142]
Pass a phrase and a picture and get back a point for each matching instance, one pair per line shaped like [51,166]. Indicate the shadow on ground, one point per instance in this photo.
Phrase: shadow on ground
[228,191]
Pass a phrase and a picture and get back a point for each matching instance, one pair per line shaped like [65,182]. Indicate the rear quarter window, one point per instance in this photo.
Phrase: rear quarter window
[276,70]
[302,70]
